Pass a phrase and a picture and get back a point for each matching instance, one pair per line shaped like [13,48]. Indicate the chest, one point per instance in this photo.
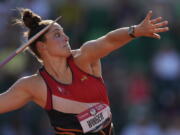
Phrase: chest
[85,91]
[84,88]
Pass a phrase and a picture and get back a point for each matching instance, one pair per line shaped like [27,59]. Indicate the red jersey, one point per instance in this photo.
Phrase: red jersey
[65,101]
[84,87]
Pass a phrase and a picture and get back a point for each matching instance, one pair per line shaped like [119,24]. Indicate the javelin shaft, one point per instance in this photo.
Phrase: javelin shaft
[10,57]
[20,49]
[35,37]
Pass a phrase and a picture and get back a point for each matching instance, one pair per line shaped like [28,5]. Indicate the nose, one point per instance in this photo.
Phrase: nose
[66,38]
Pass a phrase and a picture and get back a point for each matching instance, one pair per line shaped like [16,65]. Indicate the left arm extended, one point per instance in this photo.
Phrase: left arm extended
[96,49]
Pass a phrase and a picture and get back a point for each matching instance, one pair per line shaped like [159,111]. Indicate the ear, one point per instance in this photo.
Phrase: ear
[40,46]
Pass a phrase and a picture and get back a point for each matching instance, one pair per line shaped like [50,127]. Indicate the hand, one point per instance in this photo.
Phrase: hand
[151,28]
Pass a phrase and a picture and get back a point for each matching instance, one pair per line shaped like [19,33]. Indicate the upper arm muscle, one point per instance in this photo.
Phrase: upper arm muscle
[96,49]
[15,97]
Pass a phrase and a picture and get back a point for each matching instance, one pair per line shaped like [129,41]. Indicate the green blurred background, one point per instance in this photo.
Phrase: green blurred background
[142,77]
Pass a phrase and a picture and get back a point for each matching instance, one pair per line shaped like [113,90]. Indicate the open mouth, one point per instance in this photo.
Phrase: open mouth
[66,46]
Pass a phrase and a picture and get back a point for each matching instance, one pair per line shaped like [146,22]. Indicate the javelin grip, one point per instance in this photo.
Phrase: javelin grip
[20,49]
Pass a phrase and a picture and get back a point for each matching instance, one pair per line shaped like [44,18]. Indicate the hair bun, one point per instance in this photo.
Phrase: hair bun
[30,19]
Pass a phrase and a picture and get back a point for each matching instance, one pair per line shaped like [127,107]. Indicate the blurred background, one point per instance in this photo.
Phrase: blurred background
[142,77]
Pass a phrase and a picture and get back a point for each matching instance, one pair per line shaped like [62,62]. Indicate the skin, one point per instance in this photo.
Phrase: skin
[56,49]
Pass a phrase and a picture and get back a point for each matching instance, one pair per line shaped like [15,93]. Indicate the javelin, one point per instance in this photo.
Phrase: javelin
[20,49]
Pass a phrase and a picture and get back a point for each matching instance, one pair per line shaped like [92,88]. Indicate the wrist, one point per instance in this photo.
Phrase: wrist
[137,31]
[131,31]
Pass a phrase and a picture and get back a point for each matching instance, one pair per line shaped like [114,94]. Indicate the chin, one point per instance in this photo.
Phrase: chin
[69,54]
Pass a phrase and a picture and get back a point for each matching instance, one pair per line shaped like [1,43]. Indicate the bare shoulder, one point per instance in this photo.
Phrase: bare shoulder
[36,87]
[24,90]
[31,83]
[76,53]
[81,53]
[90,67]
[78,57]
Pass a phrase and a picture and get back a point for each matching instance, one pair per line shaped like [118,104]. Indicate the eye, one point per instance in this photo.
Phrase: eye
[57,35]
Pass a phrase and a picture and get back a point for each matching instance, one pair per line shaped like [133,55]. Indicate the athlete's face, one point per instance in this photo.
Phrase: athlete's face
[57,42]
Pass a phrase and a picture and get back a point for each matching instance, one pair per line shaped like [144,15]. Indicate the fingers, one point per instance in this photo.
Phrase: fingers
[152,27]
[157,36]
[161,24]
[156,20]
[158,30]
[149,15]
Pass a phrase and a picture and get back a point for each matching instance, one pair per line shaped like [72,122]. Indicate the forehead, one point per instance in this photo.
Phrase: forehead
[54,27]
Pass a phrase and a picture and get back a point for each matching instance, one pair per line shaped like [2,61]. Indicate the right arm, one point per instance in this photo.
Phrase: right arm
[95,49]
[15,97]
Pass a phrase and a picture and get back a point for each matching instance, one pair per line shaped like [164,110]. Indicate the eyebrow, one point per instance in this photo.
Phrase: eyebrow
[57,29]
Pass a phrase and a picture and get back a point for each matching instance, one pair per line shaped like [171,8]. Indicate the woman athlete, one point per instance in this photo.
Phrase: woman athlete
[69,86]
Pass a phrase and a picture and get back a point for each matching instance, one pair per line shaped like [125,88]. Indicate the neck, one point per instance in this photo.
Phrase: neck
[56,66]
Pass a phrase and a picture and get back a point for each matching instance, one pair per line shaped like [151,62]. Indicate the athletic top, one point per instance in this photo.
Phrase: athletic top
[65,101]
